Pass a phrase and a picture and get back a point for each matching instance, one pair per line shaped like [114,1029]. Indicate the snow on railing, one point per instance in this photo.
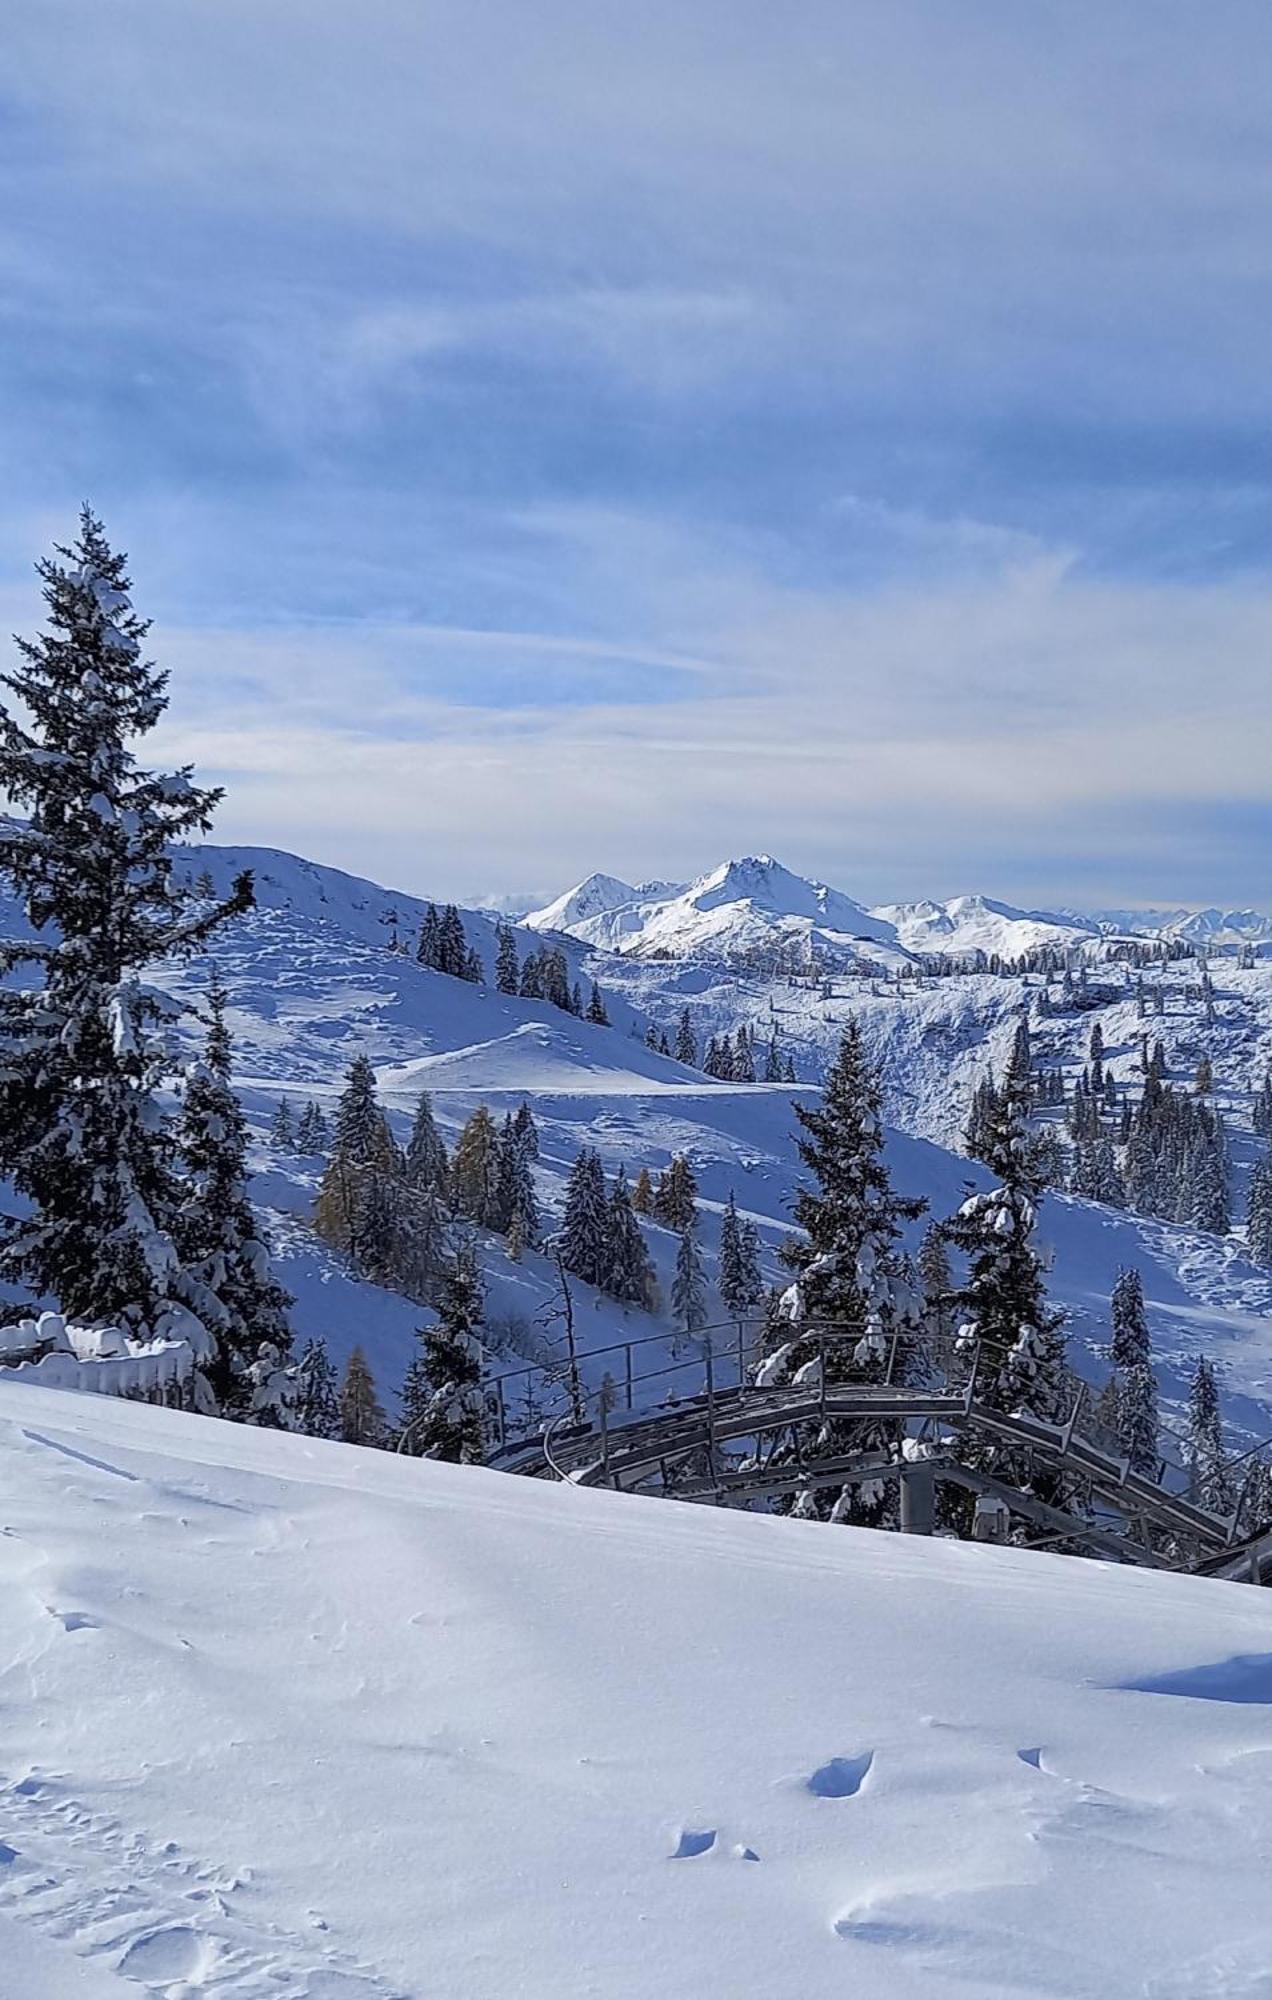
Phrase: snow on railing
[101,1359]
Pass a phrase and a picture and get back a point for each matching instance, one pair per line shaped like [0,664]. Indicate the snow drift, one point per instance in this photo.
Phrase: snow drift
[286,1718]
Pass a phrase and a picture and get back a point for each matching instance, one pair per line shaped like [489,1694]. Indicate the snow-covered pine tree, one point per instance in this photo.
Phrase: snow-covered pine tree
[356,1210]
[751,1282]
[689,1287]
[596,1013]
[1259,1216]
[1207,1186]
[628,1275]
[526,1130]
[851,1297]
[429,949]
[1135,1391]
[980,1116]
[83,1047]
[283,1133]
[773,1060]
[517,1205]
[452,945]
[686,1040]
[317,1399]
[427,1164]
[271,1393]
[849,1274]
[474,1173]
[221,1245]
[729,1264]
[584,1241]
[1209,1483]
[507,970]
[643,1193]
[362,1420]
[1015,1336]
[311,1130]
[443,1411]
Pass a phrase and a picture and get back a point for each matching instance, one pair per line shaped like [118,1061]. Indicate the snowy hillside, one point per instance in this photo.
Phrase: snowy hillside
[298,1720]
[312,982]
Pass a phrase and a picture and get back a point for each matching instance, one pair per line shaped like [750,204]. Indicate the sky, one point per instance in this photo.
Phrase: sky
[583,436]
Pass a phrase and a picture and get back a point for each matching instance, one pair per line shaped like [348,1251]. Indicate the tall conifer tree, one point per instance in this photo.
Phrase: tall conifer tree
[83,1048]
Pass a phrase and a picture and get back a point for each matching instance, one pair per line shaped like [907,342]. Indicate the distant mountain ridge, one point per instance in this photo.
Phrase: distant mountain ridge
[752,903]
[740,908]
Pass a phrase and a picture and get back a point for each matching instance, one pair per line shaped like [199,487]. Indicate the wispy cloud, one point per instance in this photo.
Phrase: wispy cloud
[580,433]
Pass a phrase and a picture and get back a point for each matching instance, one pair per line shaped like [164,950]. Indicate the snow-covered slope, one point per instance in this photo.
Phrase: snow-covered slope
[970,924]
[312,982]
[295,1720]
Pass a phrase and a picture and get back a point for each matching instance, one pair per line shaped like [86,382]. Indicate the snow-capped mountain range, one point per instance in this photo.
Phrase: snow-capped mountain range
[747,906]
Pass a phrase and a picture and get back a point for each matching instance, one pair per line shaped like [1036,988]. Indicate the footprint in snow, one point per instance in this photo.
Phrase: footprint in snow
[841,1777]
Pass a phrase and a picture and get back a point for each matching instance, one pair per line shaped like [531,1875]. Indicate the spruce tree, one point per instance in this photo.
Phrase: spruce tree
[729,1265]
[1135,1391]
[362,1420]
[427,1164]
[676,1199]
[507,970]
[518,1207]
[751,1283]
[83,1046]
[584,1241]
[223,1249]
[1259,1219]
[689,1289]
[686,1040]
[282,1132]
[429,949]
[851,1296]
[317,1400]
[643,1193]
[1209,1483]
[596,1013]
[628,1273]
[443,1413]
[311,1131]
[1008,1325]
[526,1130]
[358,1210]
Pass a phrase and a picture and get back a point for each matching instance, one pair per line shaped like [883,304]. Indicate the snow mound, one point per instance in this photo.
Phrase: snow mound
[410,1729]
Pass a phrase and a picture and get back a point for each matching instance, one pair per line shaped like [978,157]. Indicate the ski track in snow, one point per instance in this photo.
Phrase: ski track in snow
[158,1918]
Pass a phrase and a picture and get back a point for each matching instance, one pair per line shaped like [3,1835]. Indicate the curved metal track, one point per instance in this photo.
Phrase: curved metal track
[624,1452]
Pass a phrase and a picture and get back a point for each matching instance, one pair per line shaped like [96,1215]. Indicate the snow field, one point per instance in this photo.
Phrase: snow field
[284,1718]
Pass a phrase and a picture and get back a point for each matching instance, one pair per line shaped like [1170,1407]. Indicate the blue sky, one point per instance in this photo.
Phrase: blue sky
[582,435]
